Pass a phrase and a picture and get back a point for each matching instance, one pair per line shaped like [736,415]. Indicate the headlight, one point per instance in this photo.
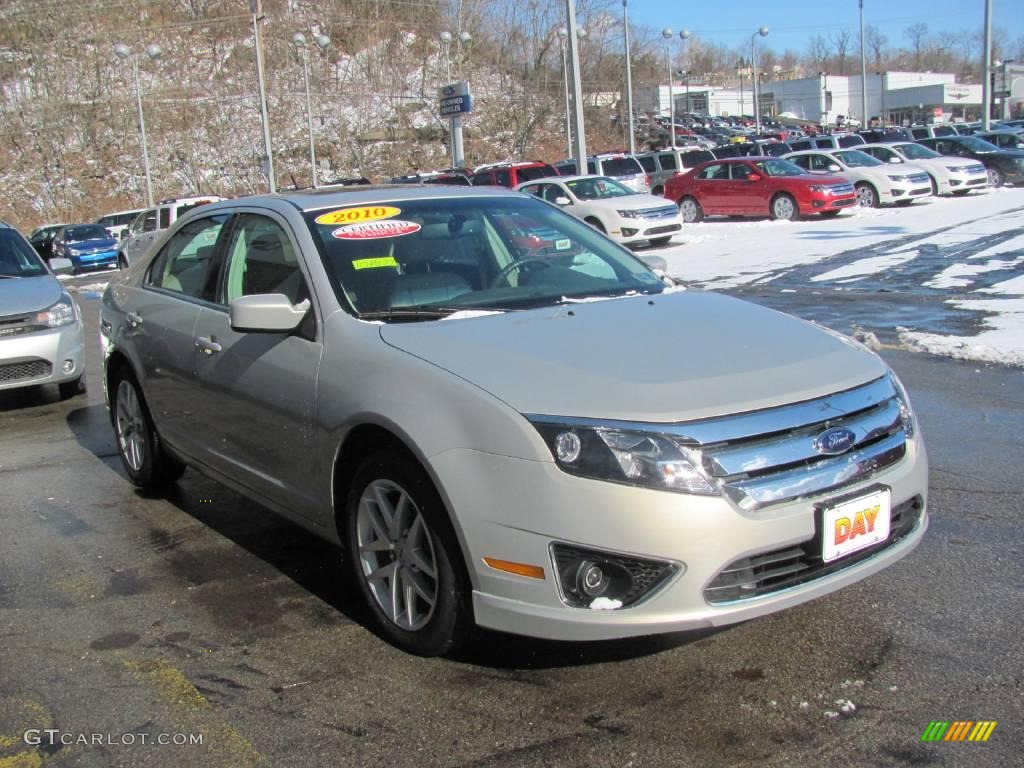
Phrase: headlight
[955,168]
[634,457]
[629,214]
[61,313]
[906,413]
[820,188]
[897,178]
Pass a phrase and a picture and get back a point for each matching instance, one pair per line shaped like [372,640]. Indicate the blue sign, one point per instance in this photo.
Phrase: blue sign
[454,99]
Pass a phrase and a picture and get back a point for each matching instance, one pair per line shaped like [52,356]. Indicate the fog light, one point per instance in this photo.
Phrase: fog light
[954,182]
[68,366]
[627,232]
[589,578]
[567,447]
[817,203]
[897,192]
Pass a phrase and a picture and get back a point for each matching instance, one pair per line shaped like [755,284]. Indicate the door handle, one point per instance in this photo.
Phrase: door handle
[134,319]
[207,346]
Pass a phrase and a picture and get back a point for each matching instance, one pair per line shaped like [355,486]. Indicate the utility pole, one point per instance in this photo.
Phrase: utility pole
[577,90]
[863,73]
[256,7]
[629,77]
[986,90]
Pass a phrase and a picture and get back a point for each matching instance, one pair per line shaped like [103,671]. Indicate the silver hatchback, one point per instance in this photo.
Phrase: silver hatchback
[467,389]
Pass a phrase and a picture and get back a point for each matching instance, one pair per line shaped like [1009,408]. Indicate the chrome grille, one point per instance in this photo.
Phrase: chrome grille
[15,325]
[663,212]
[979,168]
[780,569]
[918,178]
[24,370]
[841,189]
[769,457]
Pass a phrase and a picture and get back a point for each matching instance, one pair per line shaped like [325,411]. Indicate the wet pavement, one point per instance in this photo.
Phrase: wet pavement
[200,614]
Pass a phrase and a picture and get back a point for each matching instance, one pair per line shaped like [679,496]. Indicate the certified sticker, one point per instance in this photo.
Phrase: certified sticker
[356,215]
[376,230]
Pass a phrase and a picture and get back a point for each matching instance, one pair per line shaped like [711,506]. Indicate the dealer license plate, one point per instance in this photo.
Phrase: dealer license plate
[853,525]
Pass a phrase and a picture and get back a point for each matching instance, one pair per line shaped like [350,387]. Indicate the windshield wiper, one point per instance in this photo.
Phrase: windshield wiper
[411,313]
[11,277]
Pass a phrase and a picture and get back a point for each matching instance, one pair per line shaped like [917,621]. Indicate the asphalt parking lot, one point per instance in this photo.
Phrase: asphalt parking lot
[201,615]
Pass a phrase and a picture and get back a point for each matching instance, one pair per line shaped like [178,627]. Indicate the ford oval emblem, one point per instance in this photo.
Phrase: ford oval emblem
[835,441]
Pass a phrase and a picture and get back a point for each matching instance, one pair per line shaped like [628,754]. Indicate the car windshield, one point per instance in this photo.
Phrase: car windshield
[779,167]
[975,144]
[917,151]
[17,259]
[599,188]
[854,158]
[427,258]
[86,232]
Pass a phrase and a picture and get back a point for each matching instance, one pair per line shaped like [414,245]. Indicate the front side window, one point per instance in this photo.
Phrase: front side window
[261,259]
[185,264]
[424,259]
[599,188]
[854,158]
[17,258]
[740,171]
[667,160]
[779,167]
[647,163]
[716,171]
[917,152]
[165,218]
[145,222]
[503,179]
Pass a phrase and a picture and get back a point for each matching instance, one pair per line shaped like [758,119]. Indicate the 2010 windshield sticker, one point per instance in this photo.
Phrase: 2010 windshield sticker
[358,215]
[376,230]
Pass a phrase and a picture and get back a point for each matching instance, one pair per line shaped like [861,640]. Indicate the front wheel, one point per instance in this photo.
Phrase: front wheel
[960,192]
[995,177]
[867,197]
[691,210]
[122,261]
[785,208]
[147,463]
[69,389]
[404,556]
[830,214]
[596,224]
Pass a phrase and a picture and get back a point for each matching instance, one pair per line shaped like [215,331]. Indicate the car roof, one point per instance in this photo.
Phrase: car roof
[318,199]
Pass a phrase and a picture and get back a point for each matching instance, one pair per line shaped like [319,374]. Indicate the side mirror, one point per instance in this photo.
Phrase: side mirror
[61,266]
[655,262]
[895,160]
[562,200]
[267,313]
[754,177]
[833,168]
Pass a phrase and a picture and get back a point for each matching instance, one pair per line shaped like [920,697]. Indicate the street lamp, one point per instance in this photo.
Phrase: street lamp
[824,100]
[881,89]
[563,38]
[684,74]
[739,71]
[667,34]
[863,73]
[763,32]
[322,41]
[153,51]
[446,42]
[629,77]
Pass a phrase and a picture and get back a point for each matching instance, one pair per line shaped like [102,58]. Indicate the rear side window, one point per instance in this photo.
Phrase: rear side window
[850,141]
[695,157]
[536,172]
[483,180]
[919,133]
[647,163]
[503,179]
[824,143]
[802,144]
[621,166]
[667,160]
[185,264]
[566,169]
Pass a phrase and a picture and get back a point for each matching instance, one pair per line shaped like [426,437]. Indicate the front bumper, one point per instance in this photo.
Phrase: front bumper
[514,510]
[45,357]
[94,260]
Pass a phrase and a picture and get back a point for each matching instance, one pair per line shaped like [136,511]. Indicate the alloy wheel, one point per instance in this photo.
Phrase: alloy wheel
[131,426]
[396,555]
[783,208]
[690,209]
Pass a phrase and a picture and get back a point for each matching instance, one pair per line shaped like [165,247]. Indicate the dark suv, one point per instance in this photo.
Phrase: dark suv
[1004,166]
[512,174]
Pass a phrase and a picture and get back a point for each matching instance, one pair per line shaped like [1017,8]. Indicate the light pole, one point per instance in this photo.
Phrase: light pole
[446,43]
[881,89]
[684,35]
[986,99]
[685,75]
[629,77]
[575,33]
[322,41]
[667,34]
[256,7]
[824,100]
[863,73]
[739,71]
[455,120]
[763,32]
[1004,91]
[563,37]
[153,51]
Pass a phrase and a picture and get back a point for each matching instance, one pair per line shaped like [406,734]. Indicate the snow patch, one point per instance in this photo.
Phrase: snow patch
[604,604]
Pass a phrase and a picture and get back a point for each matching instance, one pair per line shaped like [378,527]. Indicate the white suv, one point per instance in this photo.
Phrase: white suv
[152,221]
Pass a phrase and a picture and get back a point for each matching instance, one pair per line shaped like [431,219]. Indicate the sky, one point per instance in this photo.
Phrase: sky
[792,23]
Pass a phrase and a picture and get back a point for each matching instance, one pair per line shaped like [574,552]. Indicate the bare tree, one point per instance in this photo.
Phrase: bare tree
[818,53]
[875,41]
[917,34]
[841,42]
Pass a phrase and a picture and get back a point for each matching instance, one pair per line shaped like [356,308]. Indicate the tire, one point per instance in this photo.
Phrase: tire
[935,186]
[395,524]
[596,224]
[960,192]
[830,214]
[784,207]
[691,210]
[659,241]
[122,261]
[69,389]
[147,463]
[867,195]
[905,203]
[995,177]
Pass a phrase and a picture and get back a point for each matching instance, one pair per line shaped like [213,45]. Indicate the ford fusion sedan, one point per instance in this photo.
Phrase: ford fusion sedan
[40,324]
[467,390]
[611,207]
[757,186]
[1004,166]
[876,183]
[86,246]
[948,175]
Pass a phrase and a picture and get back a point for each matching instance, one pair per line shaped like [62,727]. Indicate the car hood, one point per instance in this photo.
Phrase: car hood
[95,242]
[667,358]
[813,178]
[630,203]
[28,294]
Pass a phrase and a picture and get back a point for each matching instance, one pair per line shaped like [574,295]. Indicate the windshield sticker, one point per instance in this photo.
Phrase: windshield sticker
[356,215]
[563,245]
[376,230]
[376,263]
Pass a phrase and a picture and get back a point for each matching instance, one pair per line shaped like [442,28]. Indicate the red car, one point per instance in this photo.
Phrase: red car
[757,186]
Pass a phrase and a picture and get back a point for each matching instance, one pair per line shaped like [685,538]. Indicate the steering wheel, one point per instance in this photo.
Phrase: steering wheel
[518,264]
